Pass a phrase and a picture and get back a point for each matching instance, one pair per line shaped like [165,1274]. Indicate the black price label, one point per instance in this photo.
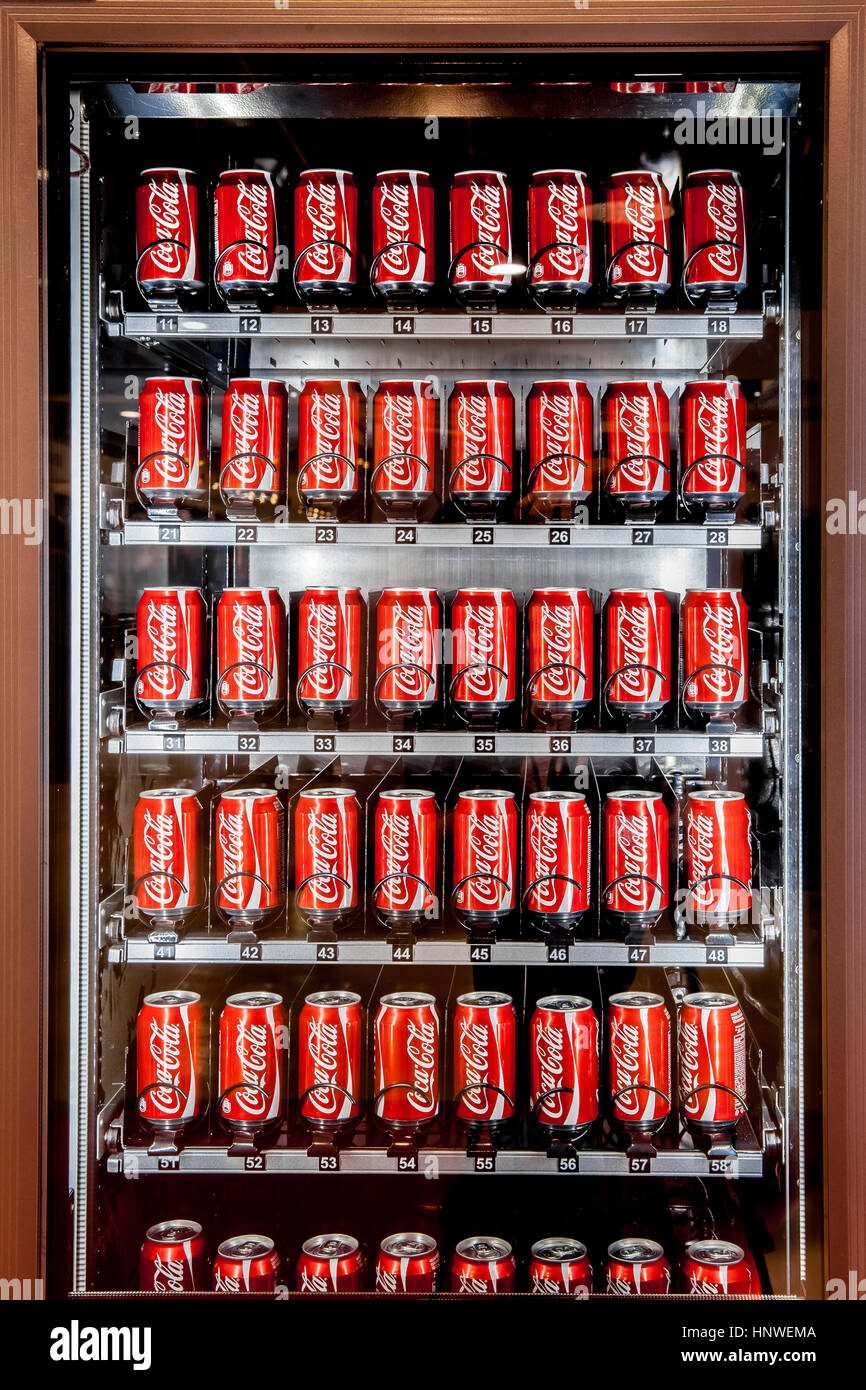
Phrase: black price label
[559,535]
[251,952]
[166,323]
[485,1163]
[557,955]
[638,955]
[403,953]
[407,1163]
[403,743]
[636,327]
[717,955]
[480,955]
[718,746]
[173,743]
[168,1165]
[248,743]
[324,743]
[164,950]
[328,953]
[403,328]
[326,535]
[560,743]
[644,745]
[405,535]
[485,743]
[722,1167]
[717,537]
[640,1165]
[329,1163]
[246,535]
[568,1163]
[719,328]
[643,535]
[482,326]
[482,535]
[321,326]
[254,1163]
[250,323]
[562,328]
[169,533]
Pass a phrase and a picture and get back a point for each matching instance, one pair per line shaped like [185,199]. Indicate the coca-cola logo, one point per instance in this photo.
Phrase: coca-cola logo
[559,682]
[701,843]
[633,844]
[555,416]
[387,1281]
[168,1275]
[410,653]
[699,1285]
[323,1050]
[314,1283]
[481,682]
[489,214]
[326,427]
[633,633]
[323,629]
[721,634]
[422,1047]
[544,858]
[713,422]
[323,840]
[398,429]
[643,213]
[394,211]
[486,833]
[690,1060]
[634,411]
[253,1053]
[249,626]
[158,835]
[161,626]
[396,837]
[254,212]
[474,1047]
[172,424]
[723,211]
[165,1045]
[247,424]
[477,474]
[320,200]
[625,1053]
[164,206]
[232,843]
[565,210]
[549,1052]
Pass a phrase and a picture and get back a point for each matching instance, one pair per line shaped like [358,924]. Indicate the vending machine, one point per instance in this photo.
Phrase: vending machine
[436,649]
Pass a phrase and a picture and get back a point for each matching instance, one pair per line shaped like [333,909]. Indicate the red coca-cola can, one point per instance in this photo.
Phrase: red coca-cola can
[405,445]
[483,1264]
[560,1265]
[403,265]
[330,625]
[484,651]
[717,1268]
[170,1047]
[714,234]
[252,1073]
[330,1264]
[406,1047]
[636,852]
[407,1263]
[329,442]
[170,627]
[408,641]
[167,852]
[563,1064]
[253,452]
[326,854]
[173,1259]
[712,1061]
[326,235]
[635,434]
[485,1058]
[406,834]
[245,234]
[560,235]
[481,446]
[715,627]
[167,233]
[559,445]
[560,652]
[250,856]
[711,86]
[637,233]
[718,857]
[329,1060]
[713,443]
[172,442]
[557,859]
[484,856]
[637,1266]
[639,1048]
[639,88]
[241,88]
[637,651]
[252,651]
[480,235]
[246,1264]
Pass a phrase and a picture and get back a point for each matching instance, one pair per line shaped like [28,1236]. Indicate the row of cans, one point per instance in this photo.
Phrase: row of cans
[482,677]
[637,216]
[174,1260]
[250,857]
[563,1070]
[482,468]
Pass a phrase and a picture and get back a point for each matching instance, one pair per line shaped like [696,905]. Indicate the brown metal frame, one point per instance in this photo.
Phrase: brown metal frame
[240,24]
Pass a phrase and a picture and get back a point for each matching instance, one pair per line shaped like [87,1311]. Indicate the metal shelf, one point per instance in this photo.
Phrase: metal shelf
[742,743]
[438,535]
[435,326]
[748,950]
[684,1162]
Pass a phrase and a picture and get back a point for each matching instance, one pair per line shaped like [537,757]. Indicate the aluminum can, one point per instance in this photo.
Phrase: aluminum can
[253,450]
[563,1064]
[245,233]
[173,1258]
[329,1060]
[330,1264]
[407,1263]
[484,651]
[718,856]
[717,1268]
[326,854]
[252,651]
[329,442]
[404,239]
[559,444]
[560,651]
[406,832]
[635,431]
[252,1067]
[637,651]
[408,642]
[406,1061]
[560,1265]
[250,855]
[637,1266]
[712,1061]
[485,1058]
[639,1049]
[560,233]
[405,443]
[484,856]
[480,445]
[330,661]
[170,1046]
[480,212]
[557,858]
[637,234]
[713,443]
[326,234]
[246,1264]
[636,854]
[714,233]
[483,1264]
[170,625]
[167,247]
[167,854]
[172,441]
[715,635]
